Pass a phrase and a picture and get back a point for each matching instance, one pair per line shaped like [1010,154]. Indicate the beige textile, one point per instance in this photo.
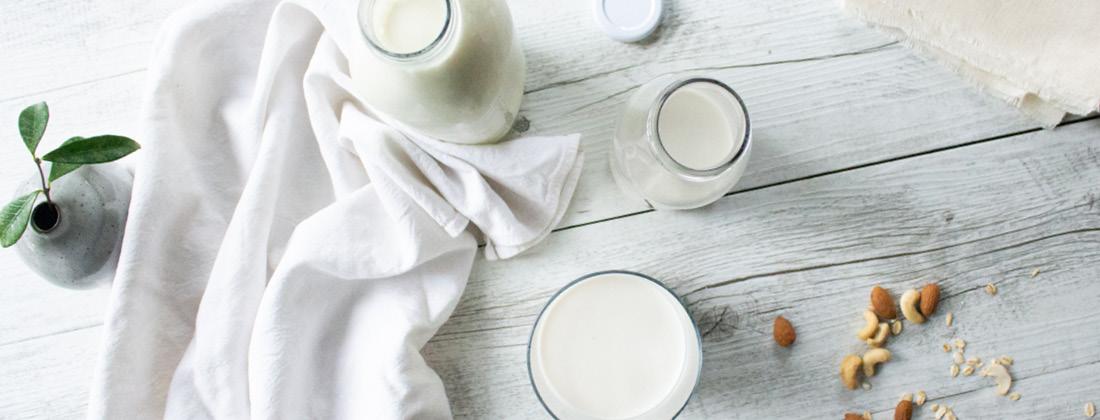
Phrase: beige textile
[1043,56]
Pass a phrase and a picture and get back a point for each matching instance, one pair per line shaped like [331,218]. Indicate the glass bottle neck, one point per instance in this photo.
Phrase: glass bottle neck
[371,22]
[653,131]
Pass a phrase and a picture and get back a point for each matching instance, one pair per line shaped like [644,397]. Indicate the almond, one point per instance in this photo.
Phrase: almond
[929,298]
[883,304]
[904,410]
[783,332]
[852,416]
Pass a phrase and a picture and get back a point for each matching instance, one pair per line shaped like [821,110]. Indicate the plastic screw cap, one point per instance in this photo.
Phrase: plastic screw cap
[628,20]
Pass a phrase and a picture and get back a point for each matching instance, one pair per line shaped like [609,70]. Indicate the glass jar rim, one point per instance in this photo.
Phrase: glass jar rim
[670,163]
[366,27]
[695,327]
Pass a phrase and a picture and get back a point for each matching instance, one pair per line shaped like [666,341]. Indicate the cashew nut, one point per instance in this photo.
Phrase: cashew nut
[873,357]
[1000,374]
[880,337]
[872,324]
[909,308]
[849,371]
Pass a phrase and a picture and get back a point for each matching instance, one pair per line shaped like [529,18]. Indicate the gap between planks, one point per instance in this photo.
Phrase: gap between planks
[776,184]
[850,168]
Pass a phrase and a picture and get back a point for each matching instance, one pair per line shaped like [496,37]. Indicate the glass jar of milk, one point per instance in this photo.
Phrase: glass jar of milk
[614,345]
[681,143]
[449,69]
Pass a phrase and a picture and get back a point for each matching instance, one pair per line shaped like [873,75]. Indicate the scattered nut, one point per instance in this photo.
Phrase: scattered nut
[950,415]
[921,397]
[1015,396]
[849,371]
[1004,360]
[954,370]
[904,410]
[872,358]
[1090,410]
[896,327]
[957,358]
[883,303]
[946,348]
[940,412]
[967,371]
[870,327]
[1034,273]
[880,337]
[783,332]
[934,407]
[991,289]
[909,301]
[950,318]
[867,415]
[1000,374]
[929,299]
[960,344]
[974,361]
[852,416]
[866,386]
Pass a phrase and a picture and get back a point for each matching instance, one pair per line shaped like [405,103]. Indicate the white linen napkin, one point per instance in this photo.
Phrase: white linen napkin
[287,254]
[1041,56]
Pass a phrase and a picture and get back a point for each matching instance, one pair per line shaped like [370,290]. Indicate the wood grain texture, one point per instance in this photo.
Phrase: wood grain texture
[811,251]
[825,93]
[48,377]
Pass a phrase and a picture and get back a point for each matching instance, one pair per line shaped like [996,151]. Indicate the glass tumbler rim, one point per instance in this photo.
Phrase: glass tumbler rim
[578,280]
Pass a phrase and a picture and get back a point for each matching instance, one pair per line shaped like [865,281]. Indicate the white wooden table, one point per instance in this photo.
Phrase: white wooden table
[870,166]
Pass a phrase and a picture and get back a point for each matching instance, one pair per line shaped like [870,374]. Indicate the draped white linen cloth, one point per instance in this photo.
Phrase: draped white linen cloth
[288,253]
[1041,56]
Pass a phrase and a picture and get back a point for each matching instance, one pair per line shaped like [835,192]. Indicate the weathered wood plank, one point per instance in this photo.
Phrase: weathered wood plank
[825,94]
[47,378]
[49,45]
[811,250]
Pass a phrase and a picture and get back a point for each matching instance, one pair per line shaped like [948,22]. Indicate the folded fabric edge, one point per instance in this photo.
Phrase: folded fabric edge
[567,186]
[1048,113]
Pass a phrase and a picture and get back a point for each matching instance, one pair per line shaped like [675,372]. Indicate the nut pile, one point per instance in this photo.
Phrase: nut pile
[917,306]
[880,320]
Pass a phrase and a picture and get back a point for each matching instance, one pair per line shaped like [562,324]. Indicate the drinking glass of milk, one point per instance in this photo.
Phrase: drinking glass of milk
[449,69]
[681,143]
[614,345]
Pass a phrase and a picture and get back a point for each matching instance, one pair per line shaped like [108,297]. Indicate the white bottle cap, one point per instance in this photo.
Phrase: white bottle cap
[628,20]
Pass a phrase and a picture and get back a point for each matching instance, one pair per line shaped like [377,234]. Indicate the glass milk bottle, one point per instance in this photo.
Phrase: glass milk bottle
[449,69]
[681,143]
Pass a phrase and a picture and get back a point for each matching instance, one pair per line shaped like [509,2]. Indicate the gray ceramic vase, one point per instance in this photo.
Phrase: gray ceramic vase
[76,244]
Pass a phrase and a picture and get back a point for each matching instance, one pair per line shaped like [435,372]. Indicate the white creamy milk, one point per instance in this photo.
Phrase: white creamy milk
[701,126]
[455,76]
[681,143]
[614,346]
[407,26]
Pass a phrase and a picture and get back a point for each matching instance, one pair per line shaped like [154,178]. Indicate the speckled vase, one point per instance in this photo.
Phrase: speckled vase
[76,243]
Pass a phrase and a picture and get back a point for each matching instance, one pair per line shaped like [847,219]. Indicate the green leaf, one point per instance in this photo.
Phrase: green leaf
[58,170]
[98,149]
[32,124]
[14,218]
